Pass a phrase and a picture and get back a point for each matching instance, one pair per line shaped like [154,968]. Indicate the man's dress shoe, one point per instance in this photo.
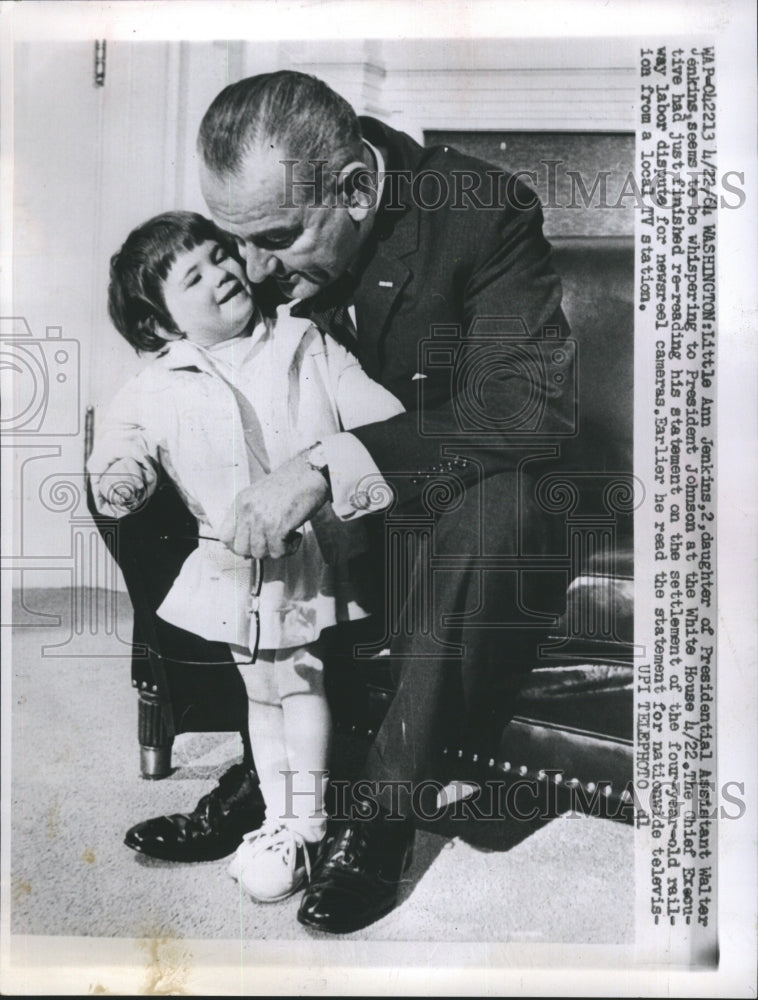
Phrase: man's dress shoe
[356,878]
[212,830]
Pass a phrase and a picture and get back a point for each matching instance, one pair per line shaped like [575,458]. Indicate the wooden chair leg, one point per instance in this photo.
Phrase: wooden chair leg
[154,739]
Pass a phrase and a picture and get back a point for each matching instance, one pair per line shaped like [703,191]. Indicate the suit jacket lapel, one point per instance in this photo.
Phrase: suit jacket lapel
[387,272]
[381,284]
[387,264]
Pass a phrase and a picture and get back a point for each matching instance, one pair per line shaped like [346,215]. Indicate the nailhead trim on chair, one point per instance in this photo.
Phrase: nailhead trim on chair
[506,766]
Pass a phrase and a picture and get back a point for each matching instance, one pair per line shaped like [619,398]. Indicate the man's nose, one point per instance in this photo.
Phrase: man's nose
[259,264]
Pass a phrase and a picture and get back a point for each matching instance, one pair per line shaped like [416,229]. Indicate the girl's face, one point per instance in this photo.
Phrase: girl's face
[207,294]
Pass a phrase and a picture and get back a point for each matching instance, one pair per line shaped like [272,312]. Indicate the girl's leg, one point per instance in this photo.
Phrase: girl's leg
[289,731]
[266,726]
[307,732]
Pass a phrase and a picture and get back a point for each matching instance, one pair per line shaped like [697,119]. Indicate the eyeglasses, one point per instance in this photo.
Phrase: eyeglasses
[253,608]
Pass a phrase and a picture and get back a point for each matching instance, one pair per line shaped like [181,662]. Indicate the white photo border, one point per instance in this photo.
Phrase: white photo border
[488,969]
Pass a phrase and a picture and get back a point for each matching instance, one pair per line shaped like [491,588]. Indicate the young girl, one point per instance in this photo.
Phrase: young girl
[229,395]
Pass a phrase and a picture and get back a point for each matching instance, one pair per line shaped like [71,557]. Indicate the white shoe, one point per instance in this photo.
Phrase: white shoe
[272,863]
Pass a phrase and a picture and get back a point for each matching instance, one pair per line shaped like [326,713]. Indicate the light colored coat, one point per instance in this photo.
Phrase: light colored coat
[181,414]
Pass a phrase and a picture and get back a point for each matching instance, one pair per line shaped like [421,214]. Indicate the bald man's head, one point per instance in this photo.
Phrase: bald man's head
[280,154]
[293,112]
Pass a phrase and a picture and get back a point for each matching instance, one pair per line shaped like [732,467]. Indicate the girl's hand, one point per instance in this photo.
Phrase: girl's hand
[124,486]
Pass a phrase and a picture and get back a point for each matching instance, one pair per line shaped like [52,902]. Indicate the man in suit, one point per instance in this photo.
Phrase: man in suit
[433,266]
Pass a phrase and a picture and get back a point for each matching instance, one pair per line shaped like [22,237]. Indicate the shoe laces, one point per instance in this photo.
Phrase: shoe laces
[355,843]
[278,839]
[218,801]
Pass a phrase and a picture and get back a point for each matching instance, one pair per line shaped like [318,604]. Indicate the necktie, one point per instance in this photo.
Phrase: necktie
[337,321]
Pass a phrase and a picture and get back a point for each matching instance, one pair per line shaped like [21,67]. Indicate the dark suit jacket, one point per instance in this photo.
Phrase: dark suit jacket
[461,259]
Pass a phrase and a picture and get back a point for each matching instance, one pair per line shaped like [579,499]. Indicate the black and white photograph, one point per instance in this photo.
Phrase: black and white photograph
[378,437]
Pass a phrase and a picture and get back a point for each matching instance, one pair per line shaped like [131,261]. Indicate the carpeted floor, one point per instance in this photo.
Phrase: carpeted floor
[76,788]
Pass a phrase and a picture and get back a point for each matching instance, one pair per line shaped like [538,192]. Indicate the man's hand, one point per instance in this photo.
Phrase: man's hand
[263,518]
[124,486]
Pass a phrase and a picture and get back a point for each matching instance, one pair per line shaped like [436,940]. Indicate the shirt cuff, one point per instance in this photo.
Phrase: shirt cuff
[358,487]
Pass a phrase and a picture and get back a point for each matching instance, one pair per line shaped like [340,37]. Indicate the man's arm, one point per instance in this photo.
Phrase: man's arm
[511,277]
[264,517]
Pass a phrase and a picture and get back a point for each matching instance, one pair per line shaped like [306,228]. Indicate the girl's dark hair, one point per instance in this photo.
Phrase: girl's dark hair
[135,293]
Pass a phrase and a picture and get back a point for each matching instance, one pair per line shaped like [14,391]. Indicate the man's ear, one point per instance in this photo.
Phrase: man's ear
[356,189]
